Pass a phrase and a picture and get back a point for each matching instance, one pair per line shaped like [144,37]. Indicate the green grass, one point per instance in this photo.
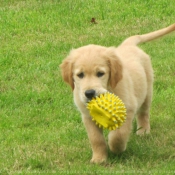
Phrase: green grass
[40,128]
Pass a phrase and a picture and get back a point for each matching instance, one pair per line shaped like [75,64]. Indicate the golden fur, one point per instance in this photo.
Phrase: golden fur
[127,72]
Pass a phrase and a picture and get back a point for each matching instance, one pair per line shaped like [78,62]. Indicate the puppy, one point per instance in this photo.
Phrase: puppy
[125,71]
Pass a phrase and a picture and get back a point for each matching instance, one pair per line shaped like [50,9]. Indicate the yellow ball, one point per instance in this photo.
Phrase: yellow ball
[108,111]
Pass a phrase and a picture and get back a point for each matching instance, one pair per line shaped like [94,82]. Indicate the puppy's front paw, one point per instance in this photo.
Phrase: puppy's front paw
[98,160]
[143,131]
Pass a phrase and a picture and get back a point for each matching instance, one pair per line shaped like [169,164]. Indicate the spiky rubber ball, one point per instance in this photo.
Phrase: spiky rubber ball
[108,111]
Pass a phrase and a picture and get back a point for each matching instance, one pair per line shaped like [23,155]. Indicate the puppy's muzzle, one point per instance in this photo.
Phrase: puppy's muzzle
[90,94]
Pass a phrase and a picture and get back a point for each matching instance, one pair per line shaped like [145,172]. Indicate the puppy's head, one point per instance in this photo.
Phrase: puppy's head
[91,70]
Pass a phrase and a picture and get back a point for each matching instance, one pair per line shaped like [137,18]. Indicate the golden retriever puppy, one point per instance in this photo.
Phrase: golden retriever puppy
[125,71]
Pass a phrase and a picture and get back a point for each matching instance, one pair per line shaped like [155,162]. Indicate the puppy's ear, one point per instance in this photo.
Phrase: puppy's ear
[115,66]
[66,71]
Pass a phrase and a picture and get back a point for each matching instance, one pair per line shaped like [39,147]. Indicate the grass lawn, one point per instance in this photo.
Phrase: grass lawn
[41,130]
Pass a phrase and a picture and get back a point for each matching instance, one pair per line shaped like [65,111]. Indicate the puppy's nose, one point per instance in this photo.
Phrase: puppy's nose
[90,93]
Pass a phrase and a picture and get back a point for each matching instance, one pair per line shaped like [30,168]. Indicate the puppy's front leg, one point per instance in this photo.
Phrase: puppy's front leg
[118,139]
[98,144]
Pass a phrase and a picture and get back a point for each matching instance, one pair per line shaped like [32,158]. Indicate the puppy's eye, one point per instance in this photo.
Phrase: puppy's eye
[80,75]
[100,74]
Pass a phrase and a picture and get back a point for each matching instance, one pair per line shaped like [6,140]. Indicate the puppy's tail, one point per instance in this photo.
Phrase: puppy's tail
[137,39]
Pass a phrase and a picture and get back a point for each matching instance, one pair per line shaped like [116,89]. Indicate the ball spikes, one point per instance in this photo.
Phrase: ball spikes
[107,111]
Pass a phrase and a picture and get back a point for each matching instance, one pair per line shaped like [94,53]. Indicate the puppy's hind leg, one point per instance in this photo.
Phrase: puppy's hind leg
[143,124]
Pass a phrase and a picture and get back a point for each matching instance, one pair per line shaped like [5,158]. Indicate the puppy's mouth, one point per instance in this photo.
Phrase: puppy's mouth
[88,100]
